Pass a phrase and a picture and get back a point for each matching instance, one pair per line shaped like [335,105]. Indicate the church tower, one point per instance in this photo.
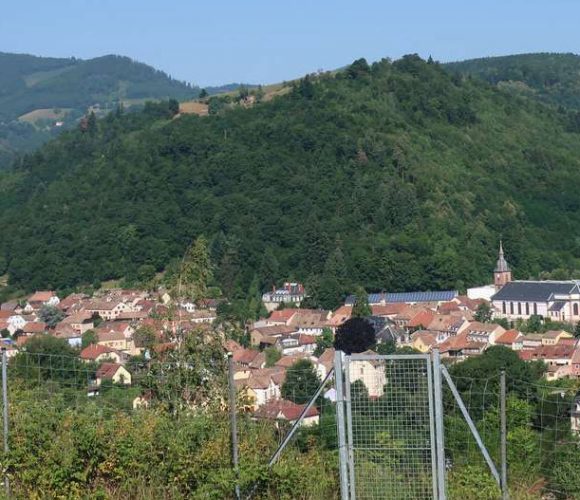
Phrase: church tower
[502,273]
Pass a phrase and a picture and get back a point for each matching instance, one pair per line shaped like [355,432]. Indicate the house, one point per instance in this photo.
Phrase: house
[420,321]
[448,324]
[486,333]
[114,372]
[280,317]
[531,340]
[39,299]
[34,327]
[557,300]
[371,372]
[459,347]
[98,353]
[112,339]
[242,359]
[72,302]
[199,316]
[325,363]
[73,337]
[143,400]
[122,327]
[263,385]
[388,310]
[340,316]
[558,358]
[424,340]
[288,361]
[310,321]
[296,343]
[80,322]
[108,309]
[553,337]
[287,411]
[511,339]
[267,335]
[290,293]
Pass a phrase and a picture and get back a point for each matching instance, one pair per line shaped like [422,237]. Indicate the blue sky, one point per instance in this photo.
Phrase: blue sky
[254,41]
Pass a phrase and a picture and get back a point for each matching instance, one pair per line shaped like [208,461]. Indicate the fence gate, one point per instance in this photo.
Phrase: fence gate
[386,426]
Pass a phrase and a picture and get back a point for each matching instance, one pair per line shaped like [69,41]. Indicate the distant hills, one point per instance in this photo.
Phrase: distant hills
[396,176]
[40,96]
[552,78]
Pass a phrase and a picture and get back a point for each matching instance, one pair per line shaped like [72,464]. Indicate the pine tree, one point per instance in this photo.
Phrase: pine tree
[361,308]
[196,271]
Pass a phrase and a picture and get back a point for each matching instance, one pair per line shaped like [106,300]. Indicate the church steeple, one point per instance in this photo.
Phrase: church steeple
[502,273]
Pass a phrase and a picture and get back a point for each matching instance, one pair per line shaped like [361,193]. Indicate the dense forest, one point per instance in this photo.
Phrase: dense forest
[69,86]
[394,176]
[553,78]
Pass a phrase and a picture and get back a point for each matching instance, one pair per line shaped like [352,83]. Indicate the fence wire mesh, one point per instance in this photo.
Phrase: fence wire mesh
[390,420]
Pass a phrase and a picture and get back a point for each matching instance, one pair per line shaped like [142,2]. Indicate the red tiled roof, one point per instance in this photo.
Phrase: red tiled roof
[508,337]
[390,309]
[285,409]
[41,296]
[244,356]
[282,315]
[421,319]
[34,327]
[108,370]
[93,351]
[304,339]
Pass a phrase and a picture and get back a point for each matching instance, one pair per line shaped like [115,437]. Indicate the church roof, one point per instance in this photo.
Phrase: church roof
[501,266]
[535,291]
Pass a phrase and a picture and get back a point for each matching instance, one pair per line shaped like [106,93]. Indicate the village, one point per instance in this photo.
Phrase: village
[106,329]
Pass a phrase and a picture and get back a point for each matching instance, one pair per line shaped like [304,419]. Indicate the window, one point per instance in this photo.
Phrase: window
[535,309]
[503,308]
[575,308]
[362,371]
[520,308]
[511,307]
[527,309]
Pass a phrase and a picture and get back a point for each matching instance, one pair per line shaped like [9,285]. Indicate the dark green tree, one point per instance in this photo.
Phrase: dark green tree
[89,337]
[355,335]
[361,308]
[301,382]
[324,341]
[483,313]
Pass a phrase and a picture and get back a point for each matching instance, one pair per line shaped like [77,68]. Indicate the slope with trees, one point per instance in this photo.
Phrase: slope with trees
[395,176]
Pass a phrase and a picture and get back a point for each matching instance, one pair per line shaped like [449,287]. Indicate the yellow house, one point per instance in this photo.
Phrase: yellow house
[552,337]
[423,340]
[115,372]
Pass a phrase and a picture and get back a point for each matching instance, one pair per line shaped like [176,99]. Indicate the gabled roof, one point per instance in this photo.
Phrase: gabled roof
[283,315]
[508,337]
[283,409]
[534,291]
[93,351]
[34,327]
[108,370]
[41,296]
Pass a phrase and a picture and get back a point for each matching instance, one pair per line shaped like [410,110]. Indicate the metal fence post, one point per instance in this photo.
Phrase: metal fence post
[234,424]
[349,436]
[340,422]
[503,424]
[439,429]
[5,412]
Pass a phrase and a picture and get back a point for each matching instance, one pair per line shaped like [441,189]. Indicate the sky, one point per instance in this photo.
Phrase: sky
[253,41]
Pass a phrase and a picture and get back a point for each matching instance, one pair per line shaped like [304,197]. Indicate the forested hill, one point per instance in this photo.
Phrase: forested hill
[37,92]
[397,176]
[553,78]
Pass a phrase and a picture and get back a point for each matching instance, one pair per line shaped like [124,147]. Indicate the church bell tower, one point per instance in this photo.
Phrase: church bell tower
[502,273]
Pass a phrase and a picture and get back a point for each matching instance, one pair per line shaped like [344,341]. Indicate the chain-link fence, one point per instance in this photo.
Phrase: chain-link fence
[369,430]
[389,414]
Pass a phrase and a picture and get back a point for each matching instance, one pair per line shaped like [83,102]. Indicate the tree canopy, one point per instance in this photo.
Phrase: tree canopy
[392,176]
[355,335]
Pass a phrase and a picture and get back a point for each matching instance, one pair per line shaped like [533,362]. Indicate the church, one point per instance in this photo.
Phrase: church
[557,300]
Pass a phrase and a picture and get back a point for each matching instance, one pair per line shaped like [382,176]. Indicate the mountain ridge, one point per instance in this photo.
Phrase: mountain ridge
[396,176]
